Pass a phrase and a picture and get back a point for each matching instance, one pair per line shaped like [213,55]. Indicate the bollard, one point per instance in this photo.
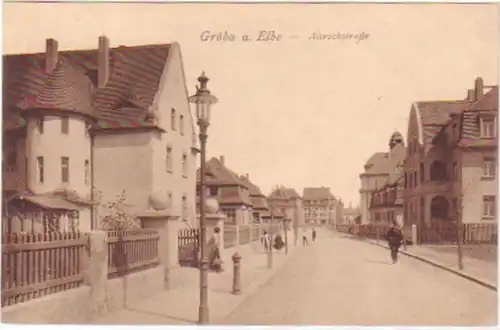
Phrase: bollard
[236,273]
[377,231]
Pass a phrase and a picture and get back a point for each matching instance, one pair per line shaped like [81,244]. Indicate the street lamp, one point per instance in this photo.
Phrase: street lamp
[270,243]
[285,220]
[203,100]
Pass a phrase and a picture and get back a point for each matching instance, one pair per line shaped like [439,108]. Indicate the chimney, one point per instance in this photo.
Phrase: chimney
[247,176]
[221,159]
[470,95]
[103,62]
[51,55]
[478,88]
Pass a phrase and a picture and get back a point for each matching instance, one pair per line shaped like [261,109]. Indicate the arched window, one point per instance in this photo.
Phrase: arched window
[439,207]
[438,171]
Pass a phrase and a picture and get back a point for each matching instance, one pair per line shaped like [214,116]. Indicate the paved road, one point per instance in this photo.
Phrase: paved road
[340,281]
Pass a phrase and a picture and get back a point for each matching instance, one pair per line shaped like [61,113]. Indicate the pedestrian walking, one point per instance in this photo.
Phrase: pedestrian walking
[314,235]
[304,238]
[395,238]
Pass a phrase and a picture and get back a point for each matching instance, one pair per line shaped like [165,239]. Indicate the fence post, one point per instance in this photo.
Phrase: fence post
[414,234]
[95,263]
[168,249]
[237,227]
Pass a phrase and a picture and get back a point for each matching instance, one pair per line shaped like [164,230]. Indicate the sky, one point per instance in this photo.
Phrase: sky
[297,111]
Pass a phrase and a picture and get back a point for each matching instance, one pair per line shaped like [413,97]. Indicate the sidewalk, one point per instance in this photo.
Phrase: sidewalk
[180,305]
[480,271]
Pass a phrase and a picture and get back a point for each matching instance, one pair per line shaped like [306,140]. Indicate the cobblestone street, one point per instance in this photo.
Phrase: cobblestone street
[338,281]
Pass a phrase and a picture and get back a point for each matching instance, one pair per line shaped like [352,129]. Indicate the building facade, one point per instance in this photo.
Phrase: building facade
[231,193]
[81,127]
[319,206]
[373,178]
[450,167]
[260,207]
[289,202]
[386,202]
[352,215]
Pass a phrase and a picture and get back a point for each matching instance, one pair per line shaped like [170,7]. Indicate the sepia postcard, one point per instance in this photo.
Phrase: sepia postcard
[274,164]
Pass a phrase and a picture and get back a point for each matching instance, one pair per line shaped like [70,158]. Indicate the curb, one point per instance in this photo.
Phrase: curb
[252,288]
[462,274]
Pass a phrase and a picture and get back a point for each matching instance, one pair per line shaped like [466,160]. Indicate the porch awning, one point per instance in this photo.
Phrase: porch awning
[52,202]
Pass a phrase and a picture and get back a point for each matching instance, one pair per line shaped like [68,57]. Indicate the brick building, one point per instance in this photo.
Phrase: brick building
[450,167]
[386,202]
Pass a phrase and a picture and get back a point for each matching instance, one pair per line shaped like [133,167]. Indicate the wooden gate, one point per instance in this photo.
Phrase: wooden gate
[187,242]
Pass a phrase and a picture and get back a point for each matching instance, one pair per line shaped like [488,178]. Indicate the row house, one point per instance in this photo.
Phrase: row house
[231,192]
[373,178]
[386,202]
[289,202]
[319,206]
[260,207]
[450,167]
[78,124]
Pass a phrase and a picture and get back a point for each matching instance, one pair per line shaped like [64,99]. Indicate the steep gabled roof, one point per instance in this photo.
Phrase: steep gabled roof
[433,115]
[317,193]
[252,188]
[283,193]
[218,174]
[470,126]
[135,74]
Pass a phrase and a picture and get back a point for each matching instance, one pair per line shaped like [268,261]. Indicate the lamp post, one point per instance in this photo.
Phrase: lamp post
[270,243]
[286,234]
[203,101]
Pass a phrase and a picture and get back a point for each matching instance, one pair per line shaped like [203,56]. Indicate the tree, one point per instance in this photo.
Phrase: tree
[114,214]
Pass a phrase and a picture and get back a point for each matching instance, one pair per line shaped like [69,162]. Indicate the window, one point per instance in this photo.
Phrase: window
[487,127]
[87,172]
[488,206]
[10,157]
[184,165]
[181,124]
[422,172]
[455,171]
[172,119]
[65,169]
[169,162]
[65,125]
[489,168]
[230,214]
[438,171]
[40,125]
[184,208]
[39,162]
[214,191]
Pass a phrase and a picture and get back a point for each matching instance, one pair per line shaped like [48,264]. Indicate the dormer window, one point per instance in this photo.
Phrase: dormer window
[487,128]
[10,157]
